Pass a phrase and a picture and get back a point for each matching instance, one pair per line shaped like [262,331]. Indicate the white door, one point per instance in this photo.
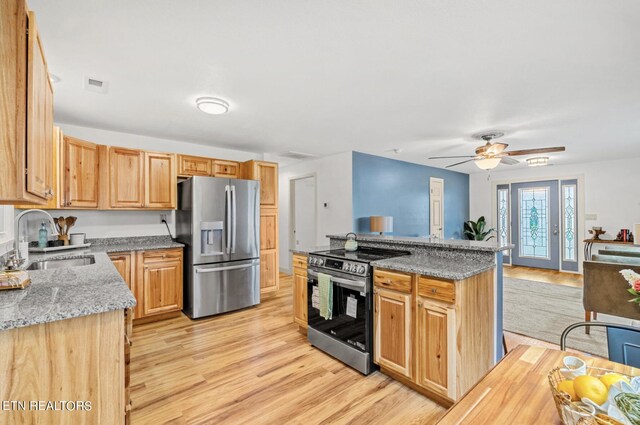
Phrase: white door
[304,212]
[436,207]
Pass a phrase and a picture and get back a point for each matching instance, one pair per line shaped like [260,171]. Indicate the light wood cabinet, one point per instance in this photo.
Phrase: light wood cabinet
[392,331]
[122,262]
[81,173]
[194,166]
[83,358]
[126,177]
[436,349]
[300,290]
[223,168]
[267,174]
[26,108]
[155,279]
[160,180]
[433,334]
[269,271]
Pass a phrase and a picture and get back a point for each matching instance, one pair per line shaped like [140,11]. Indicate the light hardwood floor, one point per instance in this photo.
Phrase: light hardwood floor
[254,367]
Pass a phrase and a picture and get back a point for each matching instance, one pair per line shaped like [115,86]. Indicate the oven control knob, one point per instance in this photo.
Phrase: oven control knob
[320,261]
[352,267]
[314,260]
[360,269]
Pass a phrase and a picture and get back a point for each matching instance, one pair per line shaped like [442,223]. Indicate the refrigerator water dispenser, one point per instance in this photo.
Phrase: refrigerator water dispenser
[211,237]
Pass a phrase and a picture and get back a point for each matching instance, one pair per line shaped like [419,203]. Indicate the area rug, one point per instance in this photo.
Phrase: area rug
[542,311]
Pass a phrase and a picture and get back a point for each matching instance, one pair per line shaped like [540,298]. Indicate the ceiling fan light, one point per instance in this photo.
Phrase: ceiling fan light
[212,105]
[538,161]
[487,163]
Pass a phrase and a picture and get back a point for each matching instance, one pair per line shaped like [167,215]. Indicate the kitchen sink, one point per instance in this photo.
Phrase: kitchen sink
[62,262]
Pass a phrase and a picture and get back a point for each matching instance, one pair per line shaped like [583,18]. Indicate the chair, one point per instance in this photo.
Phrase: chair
[623,342]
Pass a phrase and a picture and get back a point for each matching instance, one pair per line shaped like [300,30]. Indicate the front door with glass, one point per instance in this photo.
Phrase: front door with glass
[535,226]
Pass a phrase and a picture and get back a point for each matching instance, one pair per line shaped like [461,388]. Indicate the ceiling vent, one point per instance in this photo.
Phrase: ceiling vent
[95,85]
[296,155]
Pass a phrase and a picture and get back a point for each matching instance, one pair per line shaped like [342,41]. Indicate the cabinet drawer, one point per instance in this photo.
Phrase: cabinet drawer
[437,289]
[392,280]
[161,255]
[225,168]
[299,262]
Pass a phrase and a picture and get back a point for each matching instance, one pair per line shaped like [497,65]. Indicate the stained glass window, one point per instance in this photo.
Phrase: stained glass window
[503,216]
[569,222]
[534,222]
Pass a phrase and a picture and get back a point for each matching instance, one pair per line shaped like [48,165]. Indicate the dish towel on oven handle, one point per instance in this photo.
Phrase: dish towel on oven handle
[326,296]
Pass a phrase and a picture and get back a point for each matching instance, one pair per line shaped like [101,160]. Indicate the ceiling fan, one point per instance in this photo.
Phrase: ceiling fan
[489,155]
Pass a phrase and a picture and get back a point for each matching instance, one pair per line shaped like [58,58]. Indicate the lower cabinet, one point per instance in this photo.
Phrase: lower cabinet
[436,339]
[162,284]
[155,278]
[300,290]
[435,335]
[392,330]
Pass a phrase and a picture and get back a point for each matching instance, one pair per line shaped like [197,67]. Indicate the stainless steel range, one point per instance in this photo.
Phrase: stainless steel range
[348,335]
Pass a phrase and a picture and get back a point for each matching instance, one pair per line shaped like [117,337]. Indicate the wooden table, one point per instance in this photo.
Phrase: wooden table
[516,390]
[588,243]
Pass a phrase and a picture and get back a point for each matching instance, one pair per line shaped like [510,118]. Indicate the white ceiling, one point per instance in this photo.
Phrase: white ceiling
[371,75]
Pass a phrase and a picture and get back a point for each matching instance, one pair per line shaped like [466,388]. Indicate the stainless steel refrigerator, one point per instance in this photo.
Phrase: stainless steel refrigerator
[218,220]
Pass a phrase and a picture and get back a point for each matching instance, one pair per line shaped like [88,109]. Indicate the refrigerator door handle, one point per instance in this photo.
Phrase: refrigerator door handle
[220,269]
[227,218]
[234,218]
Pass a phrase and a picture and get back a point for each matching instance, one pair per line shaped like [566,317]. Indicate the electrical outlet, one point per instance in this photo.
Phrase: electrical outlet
[163,218]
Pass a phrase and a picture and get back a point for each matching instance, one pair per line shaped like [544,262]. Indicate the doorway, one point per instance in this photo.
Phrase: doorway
[540,219]
[436,207]
[303,212]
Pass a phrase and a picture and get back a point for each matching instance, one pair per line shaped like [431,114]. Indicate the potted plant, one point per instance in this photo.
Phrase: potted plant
[474,230]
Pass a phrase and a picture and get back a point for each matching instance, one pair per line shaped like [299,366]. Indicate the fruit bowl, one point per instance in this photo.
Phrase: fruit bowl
[573,410]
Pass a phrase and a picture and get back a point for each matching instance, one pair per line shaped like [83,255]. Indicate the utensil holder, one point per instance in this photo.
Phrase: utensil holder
[64,238]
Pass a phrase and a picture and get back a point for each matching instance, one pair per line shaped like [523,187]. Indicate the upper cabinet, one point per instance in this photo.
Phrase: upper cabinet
[160,180]
[80,165]
[26,107]
[189,166]
[193,166]
[267,174]
[126,177]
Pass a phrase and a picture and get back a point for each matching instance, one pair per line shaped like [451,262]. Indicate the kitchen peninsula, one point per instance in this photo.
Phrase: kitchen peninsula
[437,310]
[66,337]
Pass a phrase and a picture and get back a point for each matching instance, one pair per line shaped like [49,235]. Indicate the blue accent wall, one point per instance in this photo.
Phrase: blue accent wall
[383,186]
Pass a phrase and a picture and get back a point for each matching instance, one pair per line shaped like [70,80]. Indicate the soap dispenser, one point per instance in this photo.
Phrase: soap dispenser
[43,236]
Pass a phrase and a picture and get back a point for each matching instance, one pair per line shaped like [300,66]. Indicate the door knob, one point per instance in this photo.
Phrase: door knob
[555,229]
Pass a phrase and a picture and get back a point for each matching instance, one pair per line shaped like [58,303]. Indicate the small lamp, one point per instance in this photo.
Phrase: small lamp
[381,223]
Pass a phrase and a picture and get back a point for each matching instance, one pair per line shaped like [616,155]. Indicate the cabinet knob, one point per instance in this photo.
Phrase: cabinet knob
[433,290]
[419,303]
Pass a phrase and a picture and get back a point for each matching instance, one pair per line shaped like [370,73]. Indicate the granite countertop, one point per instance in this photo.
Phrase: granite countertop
[69,292]
[457,268]
[305,250]
[429,242]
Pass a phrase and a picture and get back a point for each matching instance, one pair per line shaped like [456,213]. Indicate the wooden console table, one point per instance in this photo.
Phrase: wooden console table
[588,243]
[516,390]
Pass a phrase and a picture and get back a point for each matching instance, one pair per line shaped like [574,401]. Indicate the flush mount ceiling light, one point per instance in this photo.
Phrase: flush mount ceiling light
[212,105]
[487,163]
[538,161]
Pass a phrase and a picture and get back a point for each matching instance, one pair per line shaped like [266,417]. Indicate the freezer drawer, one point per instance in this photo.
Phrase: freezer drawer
[222,287]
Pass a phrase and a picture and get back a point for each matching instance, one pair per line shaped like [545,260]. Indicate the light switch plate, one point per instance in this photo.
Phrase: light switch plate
[591,217]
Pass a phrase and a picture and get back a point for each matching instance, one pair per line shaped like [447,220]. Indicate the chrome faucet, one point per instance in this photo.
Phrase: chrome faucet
[16,229]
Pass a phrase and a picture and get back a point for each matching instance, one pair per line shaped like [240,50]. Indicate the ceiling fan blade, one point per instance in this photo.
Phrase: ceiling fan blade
[509,161]
[463,162]
[450,157]
[533,151]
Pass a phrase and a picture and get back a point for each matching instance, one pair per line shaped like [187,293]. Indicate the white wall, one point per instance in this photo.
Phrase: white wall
[333,186]
[611,190]
[104,224]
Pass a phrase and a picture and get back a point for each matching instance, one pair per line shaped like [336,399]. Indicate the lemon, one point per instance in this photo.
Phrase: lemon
[567,387]
[591,388]
[611,378]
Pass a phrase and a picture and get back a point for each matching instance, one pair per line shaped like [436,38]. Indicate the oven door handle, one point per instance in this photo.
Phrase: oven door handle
[356,285]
